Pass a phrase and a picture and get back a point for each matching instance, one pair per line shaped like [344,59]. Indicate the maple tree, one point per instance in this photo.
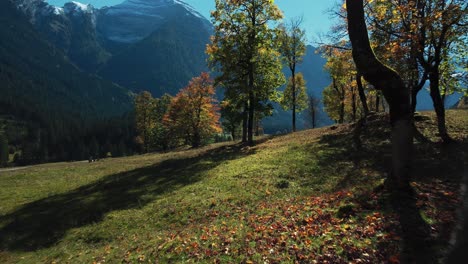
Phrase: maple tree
[341,96]
[417,39]
[243,51]
[193,112]
[293,48]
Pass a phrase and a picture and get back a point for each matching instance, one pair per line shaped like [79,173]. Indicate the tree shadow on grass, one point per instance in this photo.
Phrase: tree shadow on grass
[42,223]
[433,163]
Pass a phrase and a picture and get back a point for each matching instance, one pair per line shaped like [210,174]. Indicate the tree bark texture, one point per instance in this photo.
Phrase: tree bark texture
[438,106]
[293,74]
[362,95]
[394,90]
[245,118]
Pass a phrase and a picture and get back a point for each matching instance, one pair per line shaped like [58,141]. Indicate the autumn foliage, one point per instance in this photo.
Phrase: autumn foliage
[193,113]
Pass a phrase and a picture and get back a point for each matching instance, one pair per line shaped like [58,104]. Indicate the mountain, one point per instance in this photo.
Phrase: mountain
[71,28]
[39,85]
[154,45]
[157,45]
[461,104]
[316,80]
[33,69]
[165,60]
[134,20]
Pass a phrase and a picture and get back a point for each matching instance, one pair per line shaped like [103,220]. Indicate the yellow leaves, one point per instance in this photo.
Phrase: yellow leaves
[211,49]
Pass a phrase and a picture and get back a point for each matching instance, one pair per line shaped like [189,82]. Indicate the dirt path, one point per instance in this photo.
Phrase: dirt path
[14,169]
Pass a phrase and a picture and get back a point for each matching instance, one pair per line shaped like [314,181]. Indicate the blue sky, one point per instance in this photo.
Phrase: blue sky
[316,20]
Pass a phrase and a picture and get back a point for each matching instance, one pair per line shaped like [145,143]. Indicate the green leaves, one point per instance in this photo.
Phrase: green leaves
[243,51]
[295,94]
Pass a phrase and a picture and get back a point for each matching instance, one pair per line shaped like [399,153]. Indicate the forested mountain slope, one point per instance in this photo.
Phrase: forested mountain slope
[38,84]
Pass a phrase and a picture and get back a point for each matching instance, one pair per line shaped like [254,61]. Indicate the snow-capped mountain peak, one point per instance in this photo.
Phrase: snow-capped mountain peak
[134,20]
[74,6]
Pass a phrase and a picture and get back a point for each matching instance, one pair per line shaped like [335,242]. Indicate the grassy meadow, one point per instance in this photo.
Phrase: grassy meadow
[297,198]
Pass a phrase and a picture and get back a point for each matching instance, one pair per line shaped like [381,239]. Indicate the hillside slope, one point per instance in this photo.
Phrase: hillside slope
[300,197]
[164,61]
[41,87]
[37,76]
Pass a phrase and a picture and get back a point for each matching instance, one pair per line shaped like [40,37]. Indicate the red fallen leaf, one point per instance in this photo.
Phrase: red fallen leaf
[394,260]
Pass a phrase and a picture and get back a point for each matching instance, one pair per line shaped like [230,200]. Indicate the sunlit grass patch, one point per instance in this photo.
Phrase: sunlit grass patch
[300,197]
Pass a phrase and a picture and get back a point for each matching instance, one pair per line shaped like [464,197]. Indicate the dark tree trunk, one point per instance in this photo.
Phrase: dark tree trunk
[245,118]
[257,127]
[196,140]
[362,95]
[438,106]
[250,125]
[353,103]
[414,99]
[394,90]
[293,74]
[233,133]
[314,121]
[342,110]
[377,102]
[383,105]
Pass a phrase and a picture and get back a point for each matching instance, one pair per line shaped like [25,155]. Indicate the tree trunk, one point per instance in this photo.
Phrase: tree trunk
[257,127]
[353,103]
[438,106]
[394,90]
[251,118]
[233,133]
[362,95]
[313,119]
[196,140]
[414,99]
[293,74]
[377,102]
[245,118]
[342,109]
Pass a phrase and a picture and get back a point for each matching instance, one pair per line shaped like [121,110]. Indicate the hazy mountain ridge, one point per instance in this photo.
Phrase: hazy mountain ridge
[156,46]
[47,71]
[140,44]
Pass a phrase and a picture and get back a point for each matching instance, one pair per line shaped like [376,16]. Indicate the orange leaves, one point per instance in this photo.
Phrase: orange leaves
[193,113]
[304,230]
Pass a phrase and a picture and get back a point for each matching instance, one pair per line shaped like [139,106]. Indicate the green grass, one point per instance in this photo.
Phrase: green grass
[299,197]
